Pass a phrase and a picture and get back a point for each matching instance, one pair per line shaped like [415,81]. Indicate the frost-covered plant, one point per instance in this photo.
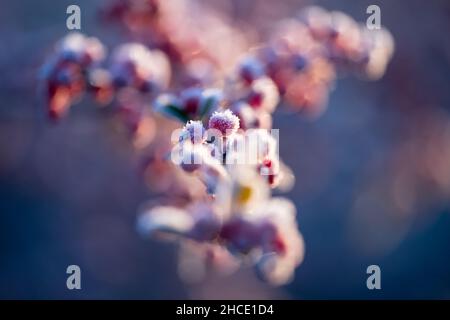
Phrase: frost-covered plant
[200,76]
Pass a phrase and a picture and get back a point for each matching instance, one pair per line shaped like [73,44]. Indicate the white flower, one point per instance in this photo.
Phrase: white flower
[243,191]
[318,21]
[165,220]
[281,243]
[193,131]
[198,221]
[380,47]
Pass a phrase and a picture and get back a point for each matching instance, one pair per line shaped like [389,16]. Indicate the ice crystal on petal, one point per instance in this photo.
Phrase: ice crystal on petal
[224,121]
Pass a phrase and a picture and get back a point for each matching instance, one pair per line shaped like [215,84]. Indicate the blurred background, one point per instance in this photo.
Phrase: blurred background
[373,172]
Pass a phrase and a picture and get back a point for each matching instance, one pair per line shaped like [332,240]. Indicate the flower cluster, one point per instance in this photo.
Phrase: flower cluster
[304,55]
[218,168]
[67,70]
[243,219]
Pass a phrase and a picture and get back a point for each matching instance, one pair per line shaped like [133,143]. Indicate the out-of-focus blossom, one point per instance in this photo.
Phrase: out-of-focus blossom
[249,118]
[135,118]
[349,45]
[82,50]
[134,65]
[251,225]
[64,74]
[199,221]
[101,84]
[135,14]
[165,220]
[64,86]
[196,260]
[299,66]
[263,95]
[250,69]
[174,27]
[166,178]
[271,229]
[199,72]
[260,93]
[379,46]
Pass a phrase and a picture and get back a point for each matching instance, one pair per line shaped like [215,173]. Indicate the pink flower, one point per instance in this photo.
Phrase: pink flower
[64,74]
[263,95]
[224,121]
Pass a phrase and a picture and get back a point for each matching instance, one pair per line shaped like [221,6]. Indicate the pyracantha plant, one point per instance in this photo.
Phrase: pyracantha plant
[191,69]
